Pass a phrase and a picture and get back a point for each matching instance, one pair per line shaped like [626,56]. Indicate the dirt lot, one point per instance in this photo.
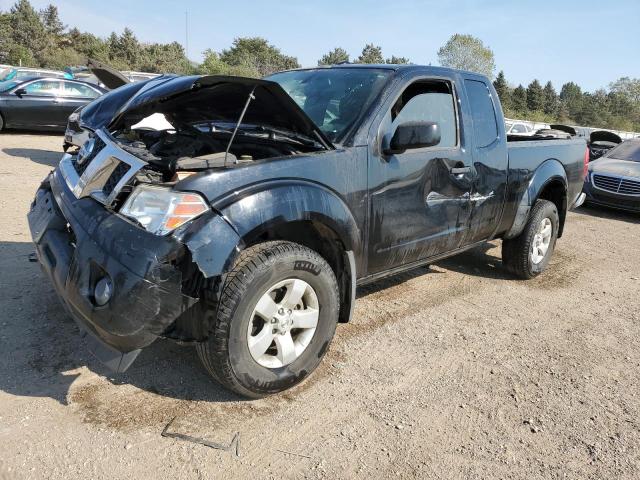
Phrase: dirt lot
[453,371]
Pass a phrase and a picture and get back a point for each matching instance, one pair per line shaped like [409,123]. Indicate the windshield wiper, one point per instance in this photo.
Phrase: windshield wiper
[298,138]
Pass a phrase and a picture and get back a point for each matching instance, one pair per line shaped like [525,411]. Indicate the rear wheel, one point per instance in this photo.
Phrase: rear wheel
[277,315]
[1,122]
[528,254]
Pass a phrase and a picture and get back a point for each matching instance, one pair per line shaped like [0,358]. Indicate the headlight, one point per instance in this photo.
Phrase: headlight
[74,117]
[161,210]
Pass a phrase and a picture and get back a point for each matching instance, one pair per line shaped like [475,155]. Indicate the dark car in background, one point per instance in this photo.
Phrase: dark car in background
[43,103]
[613,180]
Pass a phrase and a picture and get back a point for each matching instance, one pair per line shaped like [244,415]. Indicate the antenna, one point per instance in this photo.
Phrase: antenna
[235,130]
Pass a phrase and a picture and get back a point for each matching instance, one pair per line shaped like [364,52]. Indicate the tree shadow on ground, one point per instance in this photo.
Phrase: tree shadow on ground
[50,158]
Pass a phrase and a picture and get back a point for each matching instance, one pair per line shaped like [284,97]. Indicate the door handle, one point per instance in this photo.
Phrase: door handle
[459,170]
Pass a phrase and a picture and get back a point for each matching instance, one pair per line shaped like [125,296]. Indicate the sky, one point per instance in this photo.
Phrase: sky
[589,42]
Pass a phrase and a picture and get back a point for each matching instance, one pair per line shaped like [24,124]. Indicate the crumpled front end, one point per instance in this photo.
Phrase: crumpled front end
[82,247]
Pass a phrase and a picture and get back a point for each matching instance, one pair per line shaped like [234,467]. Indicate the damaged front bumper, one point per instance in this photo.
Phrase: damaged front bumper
[78,243]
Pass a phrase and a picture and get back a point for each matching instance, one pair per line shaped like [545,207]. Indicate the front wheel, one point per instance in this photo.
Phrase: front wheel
[276,318]
[528,254]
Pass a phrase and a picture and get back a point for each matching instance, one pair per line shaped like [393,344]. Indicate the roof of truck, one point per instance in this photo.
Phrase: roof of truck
[395,67]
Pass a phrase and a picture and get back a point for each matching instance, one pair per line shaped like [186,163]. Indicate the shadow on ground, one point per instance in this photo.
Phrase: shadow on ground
[42,347]
[608,213]
[43,157]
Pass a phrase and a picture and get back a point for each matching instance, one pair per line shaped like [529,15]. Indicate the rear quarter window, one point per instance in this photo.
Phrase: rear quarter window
[483,112]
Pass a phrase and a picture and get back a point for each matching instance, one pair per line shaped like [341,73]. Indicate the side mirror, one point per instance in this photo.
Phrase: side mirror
[411,135]
[20,92]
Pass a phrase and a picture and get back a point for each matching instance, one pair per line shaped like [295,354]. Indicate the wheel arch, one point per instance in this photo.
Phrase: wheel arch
[307,214]
[548,182]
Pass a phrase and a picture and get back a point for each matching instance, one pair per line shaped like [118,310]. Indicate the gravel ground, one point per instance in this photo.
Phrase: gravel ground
[452,371]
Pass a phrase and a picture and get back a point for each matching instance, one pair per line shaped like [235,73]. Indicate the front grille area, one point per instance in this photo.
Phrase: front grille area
[610,184]
[119,172]
[624,186]
[80,167]
[629,187]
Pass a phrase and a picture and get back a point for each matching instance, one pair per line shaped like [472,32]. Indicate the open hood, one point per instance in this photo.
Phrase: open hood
[220,99]
[109,77]
[604,136]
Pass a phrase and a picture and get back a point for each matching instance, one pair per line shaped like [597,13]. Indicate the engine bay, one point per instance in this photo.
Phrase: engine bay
[173,154]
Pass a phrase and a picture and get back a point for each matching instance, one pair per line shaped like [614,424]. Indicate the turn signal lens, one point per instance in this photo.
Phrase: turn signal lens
[161,210]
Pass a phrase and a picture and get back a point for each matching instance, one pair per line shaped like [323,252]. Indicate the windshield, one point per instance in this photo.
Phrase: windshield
[6,86]
[333,98]
[626,151]
[8,74]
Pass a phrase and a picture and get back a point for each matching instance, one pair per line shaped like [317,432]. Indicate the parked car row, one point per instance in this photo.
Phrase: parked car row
[43,103]
[39,99]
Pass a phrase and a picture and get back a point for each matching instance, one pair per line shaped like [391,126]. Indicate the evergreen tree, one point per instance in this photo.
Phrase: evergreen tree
[28,33]
[535,96]
[51,21]
[334,57]
[503,90]
[571,96]
[550,99]
[519,99]
[371,54]
[397,60]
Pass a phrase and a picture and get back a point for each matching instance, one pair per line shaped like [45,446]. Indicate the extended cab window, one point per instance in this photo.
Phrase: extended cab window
[430,101]
[485,123]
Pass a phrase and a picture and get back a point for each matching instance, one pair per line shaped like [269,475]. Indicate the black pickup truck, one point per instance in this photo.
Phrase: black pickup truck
[245,225]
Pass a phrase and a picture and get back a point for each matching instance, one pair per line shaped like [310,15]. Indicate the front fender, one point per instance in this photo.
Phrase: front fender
[549,171]
[262,207]
[212,242]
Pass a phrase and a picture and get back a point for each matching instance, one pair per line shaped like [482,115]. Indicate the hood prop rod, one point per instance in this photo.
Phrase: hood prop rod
[235,130]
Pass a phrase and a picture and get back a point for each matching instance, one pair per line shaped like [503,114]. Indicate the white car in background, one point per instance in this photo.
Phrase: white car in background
[519,128]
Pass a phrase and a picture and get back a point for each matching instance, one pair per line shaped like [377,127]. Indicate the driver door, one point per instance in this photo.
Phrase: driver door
[419,199]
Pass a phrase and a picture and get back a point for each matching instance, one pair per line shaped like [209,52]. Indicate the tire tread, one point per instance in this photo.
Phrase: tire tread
[213,352]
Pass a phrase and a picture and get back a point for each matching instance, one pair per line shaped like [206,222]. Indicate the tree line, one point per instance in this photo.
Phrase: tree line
[617,107]
[40,39]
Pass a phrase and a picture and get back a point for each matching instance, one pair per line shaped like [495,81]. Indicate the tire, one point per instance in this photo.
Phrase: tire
[518,254]
[227,354]
[1,122]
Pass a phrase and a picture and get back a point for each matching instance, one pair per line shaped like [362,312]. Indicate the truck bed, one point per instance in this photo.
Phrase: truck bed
[526,157]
